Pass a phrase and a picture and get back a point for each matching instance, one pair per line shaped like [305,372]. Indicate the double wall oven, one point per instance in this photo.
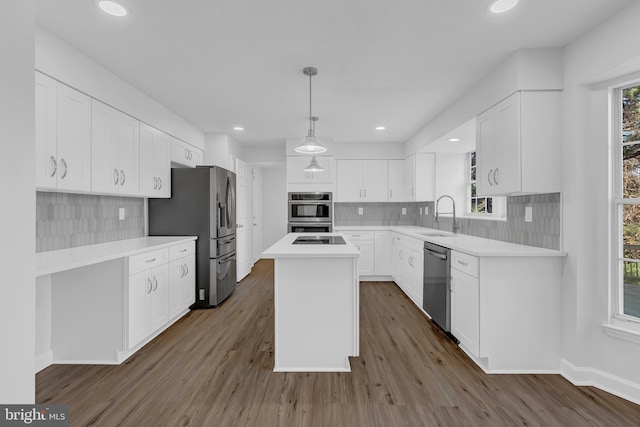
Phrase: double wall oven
[310,212]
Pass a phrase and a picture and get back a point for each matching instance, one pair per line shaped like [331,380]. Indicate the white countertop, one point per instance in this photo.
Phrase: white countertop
[471,245]
[65,259]
[284,248]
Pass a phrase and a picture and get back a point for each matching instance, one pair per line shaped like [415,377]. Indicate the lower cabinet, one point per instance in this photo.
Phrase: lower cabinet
[382,253]
[182,279]
[161,286]
[364,241]
[465,310]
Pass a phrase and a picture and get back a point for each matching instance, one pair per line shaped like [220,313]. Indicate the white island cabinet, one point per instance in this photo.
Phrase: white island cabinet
[316,305]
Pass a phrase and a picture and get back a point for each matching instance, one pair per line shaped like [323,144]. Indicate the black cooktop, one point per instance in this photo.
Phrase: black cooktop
[319,240]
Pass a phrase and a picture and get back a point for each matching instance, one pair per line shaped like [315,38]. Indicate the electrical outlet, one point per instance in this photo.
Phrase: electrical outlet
[420,211]
[528,214]
[121,214]
[404,211]
[426,210]
[360,211]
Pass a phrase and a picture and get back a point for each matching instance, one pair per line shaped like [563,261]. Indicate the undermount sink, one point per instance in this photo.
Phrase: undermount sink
[435,234]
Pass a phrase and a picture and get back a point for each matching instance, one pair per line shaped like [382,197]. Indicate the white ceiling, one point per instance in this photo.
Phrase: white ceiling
[397,63]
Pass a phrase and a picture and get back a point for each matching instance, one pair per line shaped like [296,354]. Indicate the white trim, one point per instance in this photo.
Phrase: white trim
[625,333]
[580,376]
[44,360]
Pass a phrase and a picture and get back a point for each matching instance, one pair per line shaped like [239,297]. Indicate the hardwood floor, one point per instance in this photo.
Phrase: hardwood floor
[214,368]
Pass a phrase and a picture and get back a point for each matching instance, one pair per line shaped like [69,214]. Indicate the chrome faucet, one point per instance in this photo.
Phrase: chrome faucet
[455,226]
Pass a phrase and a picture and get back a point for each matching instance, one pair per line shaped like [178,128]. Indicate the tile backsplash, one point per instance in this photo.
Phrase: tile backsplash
[543,231]
[68,220]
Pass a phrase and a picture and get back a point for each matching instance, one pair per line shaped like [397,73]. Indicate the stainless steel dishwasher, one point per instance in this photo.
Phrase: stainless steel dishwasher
[436,299]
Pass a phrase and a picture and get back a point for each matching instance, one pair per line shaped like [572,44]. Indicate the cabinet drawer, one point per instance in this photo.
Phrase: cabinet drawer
[413,244]
[179,251]
[147,260]
[359,235]
[465,263]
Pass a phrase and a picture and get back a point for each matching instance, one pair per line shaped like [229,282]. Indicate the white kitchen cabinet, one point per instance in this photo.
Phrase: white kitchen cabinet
[413,267]
[63,136]
[183,154]
[361,180]
[396,180]
[147,303]
[518,144]
[364,242]
[382,253]
[420,177]
[398,259]
[115,151]
[465,302]
[296,173]
[182,280]
[155,162]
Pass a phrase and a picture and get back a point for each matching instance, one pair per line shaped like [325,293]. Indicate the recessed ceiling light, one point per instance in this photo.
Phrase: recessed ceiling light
[381,127]
[238,128]
[112,7]
[500,6]
[454,139]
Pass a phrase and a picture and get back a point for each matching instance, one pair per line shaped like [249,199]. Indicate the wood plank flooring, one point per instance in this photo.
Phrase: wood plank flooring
[214,368]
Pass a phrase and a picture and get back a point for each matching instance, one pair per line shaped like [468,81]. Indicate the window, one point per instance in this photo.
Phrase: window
[475,204]
[626,198]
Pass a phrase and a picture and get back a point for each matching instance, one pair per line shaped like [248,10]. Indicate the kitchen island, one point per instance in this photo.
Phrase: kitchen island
[316,303]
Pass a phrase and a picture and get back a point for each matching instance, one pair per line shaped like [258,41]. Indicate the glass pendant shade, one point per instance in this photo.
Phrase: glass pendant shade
[310,146]
[314,166]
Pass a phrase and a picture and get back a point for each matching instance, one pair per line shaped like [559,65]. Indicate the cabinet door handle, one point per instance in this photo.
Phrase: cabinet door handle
[66,168]
[413,191]
[463,263]
[54,165]
[361,194]
[150,260]
[155,183]
[186,269]
[183,250]
[116,177]
[411,261]
[150,285]
[181,270]
[495,178]
[159,183]
[123,177]
[155,284]
[365,193]
[390,193]
[186,153]
[489,177]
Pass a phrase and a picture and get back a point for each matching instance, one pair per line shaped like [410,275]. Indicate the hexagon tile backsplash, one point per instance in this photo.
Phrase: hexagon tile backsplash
[67,220]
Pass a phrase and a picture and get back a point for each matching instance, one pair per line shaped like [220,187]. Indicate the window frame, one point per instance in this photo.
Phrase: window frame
[617,315]
[498,204]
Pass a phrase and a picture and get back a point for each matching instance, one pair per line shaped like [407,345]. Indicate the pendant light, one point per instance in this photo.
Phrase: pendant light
[314,166]
[310,144]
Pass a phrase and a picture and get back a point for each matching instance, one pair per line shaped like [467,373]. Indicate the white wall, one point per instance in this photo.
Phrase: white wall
[450,179]
[606,52]
[17,190]
[274,205]
[260,156]
[60,61]
[221,150]
[526,69]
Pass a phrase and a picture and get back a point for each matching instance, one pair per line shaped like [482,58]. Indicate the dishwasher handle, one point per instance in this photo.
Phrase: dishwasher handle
[435,254]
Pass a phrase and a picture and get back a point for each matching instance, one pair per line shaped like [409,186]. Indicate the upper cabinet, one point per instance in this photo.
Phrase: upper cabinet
[361,180]
[183,154]
[518,144]
[115,151]
[155,162]
[396,180]
[63,136]
[420,177]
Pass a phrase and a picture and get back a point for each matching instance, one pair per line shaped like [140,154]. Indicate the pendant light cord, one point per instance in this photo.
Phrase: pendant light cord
[310,115]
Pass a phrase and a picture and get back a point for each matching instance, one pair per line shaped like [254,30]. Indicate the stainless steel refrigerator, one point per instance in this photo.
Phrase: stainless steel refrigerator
[203,204]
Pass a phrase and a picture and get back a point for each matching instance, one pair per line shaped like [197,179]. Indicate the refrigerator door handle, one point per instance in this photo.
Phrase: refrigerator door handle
[227,258]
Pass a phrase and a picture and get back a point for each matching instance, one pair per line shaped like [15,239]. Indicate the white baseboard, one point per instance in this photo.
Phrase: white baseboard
[613,384]
[44,360]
